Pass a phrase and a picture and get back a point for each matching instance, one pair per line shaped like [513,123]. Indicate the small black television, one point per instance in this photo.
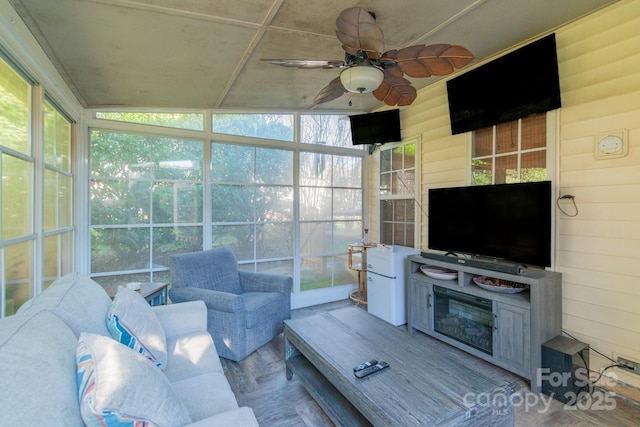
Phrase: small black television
[376,128]
[518,84]
[506,222]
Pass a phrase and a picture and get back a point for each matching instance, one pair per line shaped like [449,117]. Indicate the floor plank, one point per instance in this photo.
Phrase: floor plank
[259,382]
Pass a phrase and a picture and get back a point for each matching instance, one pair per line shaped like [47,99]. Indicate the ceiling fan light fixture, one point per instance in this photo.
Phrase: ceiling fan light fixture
[361,78]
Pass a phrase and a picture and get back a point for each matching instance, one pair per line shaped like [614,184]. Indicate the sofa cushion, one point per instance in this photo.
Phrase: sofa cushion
[79,301]
[117,386]
[37,384]
[206,395]
[132,322]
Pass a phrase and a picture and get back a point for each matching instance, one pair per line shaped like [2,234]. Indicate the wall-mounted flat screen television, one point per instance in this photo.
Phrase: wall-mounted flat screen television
[516,85]
[506,222]
[376,128]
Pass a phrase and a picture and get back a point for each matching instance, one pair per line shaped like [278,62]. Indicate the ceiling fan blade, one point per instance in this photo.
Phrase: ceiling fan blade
[333,90]
[357,31]
[395,90]
[306,63]
[432,60]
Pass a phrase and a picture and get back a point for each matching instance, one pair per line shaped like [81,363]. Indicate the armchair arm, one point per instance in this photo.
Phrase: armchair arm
[214,300]
[182,318]
[262,282]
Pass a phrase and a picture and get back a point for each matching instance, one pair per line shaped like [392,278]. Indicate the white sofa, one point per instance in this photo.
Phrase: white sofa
[39,371]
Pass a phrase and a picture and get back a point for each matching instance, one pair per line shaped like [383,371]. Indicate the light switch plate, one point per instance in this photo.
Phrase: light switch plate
[613,144]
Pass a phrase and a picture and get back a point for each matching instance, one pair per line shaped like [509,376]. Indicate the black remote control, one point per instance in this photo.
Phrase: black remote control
[371,369]
[365,365]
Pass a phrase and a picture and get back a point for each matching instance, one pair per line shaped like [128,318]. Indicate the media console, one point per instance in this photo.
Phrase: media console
[507,329]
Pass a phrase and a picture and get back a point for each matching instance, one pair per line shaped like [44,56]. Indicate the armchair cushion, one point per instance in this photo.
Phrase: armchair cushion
[211,269]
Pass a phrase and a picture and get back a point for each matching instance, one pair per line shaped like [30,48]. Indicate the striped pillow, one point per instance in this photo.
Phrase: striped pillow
[117,387]
[132,322]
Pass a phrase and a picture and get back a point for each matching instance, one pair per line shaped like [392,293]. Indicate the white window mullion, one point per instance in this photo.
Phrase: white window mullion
[207,184]
[37,151]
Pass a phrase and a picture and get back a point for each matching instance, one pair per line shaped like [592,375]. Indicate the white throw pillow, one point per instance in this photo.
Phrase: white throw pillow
[119,387]
[132,322]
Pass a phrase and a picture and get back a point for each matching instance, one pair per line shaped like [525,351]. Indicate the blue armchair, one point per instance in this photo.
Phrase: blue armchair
[245,310]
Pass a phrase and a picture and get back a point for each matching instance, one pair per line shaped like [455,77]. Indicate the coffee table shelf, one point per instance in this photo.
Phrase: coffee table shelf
[337,407]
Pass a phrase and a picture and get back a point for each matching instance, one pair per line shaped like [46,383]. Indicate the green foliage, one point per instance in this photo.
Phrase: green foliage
[192,121]
[148,195]
[481,172]
[270,126]
[533,175]
[143,180]
[14,110]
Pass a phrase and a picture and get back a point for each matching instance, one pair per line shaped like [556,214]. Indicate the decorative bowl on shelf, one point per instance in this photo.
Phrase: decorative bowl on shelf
[499,285]
[438,273]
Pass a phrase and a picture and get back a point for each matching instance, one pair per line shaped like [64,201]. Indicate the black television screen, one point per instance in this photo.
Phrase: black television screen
[510,222]
[515,85]
[376,128]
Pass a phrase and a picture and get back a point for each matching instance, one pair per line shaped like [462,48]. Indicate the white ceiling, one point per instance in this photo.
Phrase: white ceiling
[206,53]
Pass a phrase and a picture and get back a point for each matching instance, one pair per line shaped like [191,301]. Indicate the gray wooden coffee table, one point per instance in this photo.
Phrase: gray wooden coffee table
[423,386]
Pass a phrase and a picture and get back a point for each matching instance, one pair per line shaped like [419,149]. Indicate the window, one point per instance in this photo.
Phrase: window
[270,126]
[286,205]
[35,192]
[510,152]
[146,203]
[397,195]
[326,129]
[58,195]
[330,217]
[17,193]
[252,205]
[193,121]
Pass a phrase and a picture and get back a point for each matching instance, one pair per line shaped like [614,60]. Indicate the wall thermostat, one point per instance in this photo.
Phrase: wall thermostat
[611,144]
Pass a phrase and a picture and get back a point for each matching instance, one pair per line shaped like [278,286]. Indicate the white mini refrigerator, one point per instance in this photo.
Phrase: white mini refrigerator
[386,292]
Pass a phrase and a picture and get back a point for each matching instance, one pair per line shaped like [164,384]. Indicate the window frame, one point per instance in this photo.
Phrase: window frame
[39,265]
[405,196]
[299,298]
[551,155]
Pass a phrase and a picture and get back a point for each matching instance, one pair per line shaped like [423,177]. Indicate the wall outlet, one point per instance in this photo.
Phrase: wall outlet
[629,365]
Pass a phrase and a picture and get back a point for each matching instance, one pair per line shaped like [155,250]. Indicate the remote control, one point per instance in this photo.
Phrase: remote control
[371,369]
[364,365]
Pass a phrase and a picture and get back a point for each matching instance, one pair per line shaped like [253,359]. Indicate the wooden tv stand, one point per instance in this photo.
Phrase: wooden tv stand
[522,322]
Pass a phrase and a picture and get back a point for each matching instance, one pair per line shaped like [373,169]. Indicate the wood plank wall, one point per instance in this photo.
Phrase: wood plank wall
[598,251]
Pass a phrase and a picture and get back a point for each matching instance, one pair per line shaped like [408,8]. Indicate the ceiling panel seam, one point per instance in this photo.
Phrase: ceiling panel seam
[255,40]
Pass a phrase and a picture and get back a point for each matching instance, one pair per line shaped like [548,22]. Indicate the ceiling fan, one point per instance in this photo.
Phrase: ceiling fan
[367,69]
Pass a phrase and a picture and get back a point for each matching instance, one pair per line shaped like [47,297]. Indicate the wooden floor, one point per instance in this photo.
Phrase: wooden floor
[259,382]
